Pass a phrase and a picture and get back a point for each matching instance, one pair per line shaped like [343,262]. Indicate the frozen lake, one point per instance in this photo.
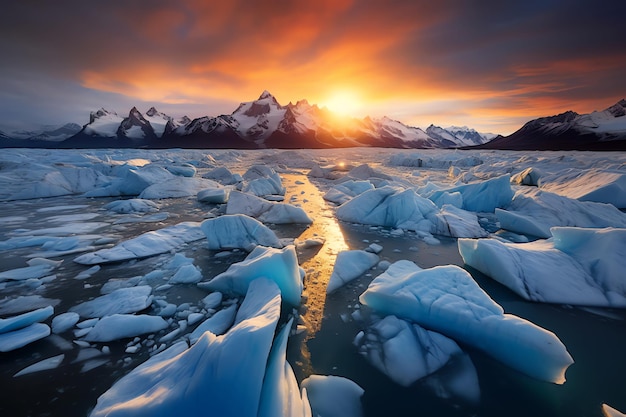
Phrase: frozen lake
[55,209]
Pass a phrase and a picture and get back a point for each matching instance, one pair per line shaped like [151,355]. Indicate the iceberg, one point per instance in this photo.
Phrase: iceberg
[186,274]
[43,365]
[262,180]
[217,324]
[238,231]
[456,222]
[484,196]
[214,195]
[446,299]
[278,265]
[178,187]
[133,205]
[121,326]
[120,301]
[223,374]
[223,176]
[589,185]
[578,266]
[25,319]
[333,396]
[265,211]
[350,265]
[390,207]
[345,191]
[65,321]
[404,351]
[148,244]
[533,212]
[19,338]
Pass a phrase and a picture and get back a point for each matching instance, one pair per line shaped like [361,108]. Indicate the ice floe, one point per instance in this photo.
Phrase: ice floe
[43,365]
[601,186]
[279,265]
[579,266]
[148,244]
[25,319]
[483,196]
[238,231]
[446,299]
[350,265]
[265,211]
[533,212]
[21,337]
[121,301]
[333,396]
[133,205]
[120,326]
[223,374]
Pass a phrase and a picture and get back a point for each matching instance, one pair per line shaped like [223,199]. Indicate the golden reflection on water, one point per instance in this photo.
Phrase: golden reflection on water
[318,262]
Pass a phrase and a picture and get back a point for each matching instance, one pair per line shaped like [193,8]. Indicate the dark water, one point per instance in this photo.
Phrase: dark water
[595,340]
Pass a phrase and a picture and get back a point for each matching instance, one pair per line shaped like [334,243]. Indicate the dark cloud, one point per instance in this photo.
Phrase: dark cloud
[531,55]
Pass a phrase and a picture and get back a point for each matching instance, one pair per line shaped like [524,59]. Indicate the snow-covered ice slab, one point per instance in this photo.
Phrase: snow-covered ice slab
[25,319]
[148,244]
[43,365]
[265,211]
[19,338]
[446,299]
[279,265]
[133,205]
[121,326]
[37,268]
[404,209]
[238,231]
[579,266]
[484,196]
[350,265]
[220,374]
[405,351]
[533,212]
[390,207]
[178,187]
[589,185]
[333,396]
[121,301]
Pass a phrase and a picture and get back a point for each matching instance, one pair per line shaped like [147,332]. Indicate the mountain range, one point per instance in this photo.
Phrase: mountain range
[265,123]
[261,123]
[599,130]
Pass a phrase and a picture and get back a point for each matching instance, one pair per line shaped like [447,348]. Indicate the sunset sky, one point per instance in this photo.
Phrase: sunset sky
[490,65]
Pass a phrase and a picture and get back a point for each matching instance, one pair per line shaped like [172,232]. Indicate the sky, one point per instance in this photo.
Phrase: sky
[488,64]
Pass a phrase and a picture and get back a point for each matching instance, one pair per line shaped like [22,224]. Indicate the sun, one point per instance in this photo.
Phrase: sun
[346,103]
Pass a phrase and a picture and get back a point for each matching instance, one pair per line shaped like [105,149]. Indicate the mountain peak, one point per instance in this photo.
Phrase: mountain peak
[151,112]
[266,94]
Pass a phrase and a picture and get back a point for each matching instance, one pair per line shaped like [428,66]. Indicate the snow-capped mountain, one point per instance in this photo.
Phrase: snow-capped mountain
[261,123]
[53,133]
[599,130]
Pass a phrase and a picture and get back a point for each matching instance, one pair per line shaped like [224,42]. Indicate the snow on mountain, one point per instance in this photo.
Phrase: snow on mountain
[103,123]
[459,136]
[599,130]
[50,132]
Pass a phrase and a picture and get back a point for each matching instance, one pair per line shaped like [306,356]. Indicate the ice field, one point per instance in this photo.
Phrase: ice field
[344,282]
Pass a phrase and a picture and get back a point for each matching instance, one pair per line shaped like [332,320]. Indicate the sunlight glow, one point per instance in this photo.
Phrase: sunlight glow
[346,103]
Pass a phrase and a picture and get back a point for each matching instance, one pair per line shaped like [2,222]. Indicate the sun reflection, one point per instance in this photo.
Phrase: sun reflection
[320,266]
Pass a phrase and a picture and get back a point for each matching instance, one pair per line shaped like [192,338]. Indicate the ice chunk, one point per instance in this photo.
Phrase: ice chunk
[446,299]
[183,170]
[148,244]
[121,301]
[280,395]
[217,324]
[25,303]
[350,265]
[333,396]
[405,351]
[223,176]
[483,196]
[262,180]
[265,211]
[178,187]
[214,195]
[65,321]
[120,326]
[611,412]
[223,374]
[529,176]
[38,268]
[25,319]
[133,205]
[540,271]
[43,365]
[345,191]
[132,181]
[212,300]
[533,212]
[279,265]
[457,222]
[390,207]
[19,338]
[238,231]
[186,274]
[590,185]
[88,272]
